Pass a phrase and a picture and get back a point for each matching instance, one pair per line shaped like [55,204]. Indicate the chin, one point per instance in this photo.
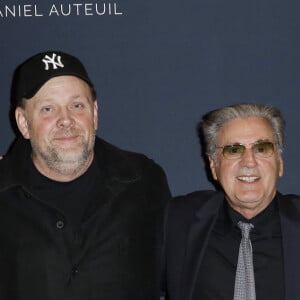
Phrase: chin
[249,197]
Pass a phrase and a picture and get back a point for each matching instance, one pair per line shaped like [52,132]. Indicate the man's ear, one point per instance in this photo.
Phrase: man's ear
[95,115]
[21,121]
[281,166]
[212,167]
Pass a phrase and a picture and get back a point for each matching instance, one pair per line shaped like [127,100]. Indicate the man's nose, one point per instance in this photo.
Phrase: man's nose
[248,158]
[65,119]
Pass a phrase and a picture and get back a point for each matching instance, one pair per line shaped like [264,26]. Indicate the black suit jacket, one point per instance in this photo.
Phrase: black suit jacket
[191,219]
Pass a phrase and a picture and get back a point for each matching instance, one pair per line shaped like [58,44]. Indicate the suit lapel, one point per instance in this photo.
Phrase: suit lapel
[198,236]
[290,221]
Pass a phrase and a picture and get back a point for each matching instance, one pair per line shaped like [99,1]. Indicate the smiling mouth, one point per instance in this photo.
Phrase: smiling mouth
[248,179]
[70,137]
[66,139]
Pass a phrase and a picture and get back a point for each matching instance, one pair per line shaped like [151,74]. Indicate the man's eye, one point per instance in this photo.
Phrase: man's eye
[47,109]
[236,149]
[261,149]
[78,105]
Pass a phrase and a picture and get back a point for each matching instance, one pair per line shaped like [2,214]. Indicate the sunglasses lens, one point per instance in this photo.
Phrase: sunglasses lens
[233,151]
[263,149]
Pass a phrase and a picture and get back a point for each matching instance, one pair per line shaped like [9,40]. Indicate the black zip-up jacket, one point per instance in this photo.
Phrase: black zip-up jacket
[119,254]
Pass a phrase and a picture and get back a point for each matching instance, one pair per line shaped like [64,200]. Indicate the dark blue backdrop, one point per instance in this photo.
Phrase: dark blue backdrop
[158,66]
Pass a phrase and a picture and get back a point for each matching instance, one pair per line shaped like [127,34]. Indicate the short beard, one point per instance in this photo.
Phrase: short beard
[66,165]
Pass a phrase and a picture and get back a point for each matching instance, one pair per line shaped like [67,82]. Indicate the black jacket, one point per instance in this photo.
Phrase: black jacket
[118,257]
[191,219]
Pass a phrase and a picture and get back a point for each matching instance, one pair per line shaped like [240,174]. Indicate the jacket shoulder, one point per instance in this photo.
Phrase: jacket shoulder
[19,150]
[183,209]
[124,164]
[289,203]
[115,154]
[293,197]
[194,200]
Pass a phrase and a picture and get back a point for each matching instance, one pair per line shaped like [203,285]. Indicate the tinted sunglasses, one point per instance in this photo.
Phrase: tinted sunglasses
[261,149]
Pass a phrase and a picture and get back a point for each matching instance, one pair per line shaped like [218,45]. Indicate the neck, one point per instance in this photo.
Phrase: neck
[63,172]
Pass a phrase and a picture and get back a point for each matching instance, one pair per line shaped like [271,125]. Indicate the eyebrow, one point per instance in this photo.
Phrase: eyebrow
[256,142]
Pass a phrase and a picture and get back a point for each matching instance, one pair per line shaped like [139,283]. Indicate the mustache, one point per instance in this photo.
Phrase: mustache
[66,132]
[246,171]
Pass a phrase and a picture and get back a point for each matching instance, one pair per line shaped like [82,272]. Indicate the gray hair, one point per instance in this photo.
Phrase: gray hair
[213,121]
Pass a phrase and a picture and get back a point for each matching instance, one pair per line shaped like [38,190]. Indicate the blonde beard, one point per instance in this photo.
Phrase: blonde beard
[63,163]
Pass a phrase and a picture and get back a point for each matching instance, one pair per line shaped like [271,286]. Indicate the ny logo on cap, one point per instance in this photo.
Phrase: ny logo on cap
[55,61]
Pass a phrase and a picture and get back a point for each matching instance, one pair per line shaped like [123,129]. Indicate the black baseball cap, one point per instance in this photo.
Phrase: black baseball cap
[38,69]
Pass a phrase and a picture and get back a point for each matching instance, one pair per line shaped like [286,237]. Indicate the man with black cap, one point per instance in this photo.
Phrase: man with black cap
[81,219]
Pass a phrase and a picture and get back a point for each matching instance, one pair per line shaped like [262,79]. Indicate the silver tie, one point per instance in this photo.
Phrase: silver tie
[244,288]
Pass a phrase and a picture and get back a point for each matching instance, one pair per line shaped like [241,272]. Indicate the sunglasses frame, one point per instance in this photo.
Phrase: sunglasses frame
[228,154]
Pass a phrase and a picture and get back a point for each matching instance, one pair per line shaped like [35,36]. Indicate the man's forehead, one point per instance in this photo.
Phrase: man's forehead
[66,83]
[252,128]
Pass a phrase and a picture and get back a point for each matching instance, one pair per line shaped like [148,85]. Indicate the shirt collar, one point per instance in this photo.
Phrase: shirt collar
[266,223]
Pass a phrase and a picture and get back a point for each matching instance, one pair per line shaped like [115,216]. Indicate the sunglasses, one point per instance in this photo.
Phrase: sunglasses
[259,149]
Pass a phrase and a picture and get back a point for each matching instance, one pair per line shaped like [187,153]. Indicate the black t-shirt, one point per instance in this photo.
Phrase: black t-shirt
[75,199]
[217,271]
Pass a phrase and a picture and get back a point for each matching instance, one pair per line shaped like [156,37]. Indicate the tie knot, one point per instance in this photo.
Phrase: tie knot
[245,228]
